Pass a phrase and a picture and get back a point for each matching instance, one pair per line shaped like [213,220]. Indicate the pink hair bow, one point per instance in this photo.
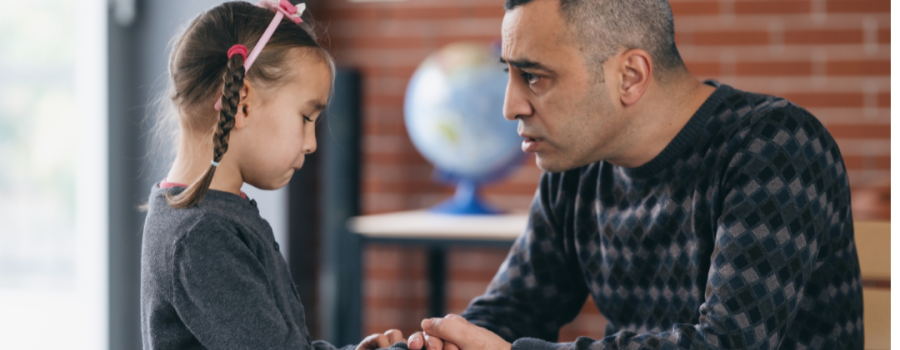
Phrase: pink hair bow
[286,8]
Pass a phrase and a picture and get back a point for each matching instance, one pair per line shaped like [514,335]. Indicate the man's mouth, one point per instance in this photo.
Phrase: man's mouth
[531,144]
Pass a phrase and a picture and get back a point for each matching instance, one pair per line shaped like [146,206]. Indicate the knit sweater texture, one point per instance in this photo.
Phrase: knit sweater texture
[212,277]
[739,234]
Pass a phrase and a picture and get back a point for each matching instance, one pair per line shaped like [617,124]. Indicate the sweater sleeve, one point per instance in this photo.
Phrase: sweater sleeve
[221,293]
[539,287]
[784,206]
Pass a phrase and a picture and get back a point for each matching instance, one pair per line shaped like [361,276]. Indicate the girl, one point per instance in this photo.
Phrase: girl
[211,273]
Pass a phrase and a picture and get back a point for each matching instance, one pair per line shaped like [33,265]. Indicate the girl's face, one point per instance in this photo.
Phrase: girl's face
[276,131]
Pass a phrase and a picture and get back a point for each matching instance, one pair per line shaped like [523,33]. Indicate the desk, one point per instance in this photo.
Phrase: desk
[437,232]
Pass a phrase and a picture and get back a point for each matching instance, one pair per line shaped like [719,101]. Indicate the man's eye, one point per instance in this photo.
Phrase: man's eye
[530,78]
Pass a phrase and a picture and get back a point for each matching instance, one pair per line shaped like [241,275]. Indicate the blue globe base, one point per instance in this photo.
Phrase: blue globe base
[465,202]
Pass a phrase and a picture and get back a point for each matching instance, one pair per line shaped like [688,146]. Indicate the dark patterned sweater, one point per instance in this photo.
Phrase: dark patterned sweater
[739,234]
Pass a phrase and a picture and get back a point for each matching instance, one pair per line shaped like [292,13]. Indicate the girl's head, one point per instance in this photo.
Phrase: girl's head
[266,122]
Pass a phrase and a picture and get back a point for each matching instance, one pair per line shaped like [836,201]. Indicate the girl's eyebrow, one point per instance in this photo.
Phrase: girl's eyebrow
[316,105]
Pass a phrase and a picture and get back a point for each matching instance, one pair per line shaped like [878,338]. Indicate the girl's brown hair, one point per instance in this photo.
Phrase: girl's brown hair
[200,70]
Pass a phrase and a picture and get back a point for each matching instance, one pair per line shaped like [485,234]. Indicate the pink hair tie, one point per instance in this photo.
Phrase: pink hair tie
[282,8]
[238,49]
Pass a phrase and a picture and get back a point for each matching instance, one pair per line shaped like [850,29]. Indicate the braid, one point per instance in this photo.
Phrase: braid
[234,82]
[231,98]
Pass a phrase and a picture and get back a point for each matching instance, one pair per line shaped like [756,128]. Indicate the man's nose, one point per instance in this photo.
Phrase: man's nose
[515,104]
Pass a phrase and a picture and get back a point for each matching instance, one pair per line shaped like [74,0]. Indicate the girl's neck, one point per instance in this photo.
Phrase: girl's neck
[192,162]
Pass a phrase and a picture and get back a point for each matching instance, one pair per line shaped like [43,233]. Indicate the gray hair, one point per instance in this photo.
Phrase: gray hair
[605,26]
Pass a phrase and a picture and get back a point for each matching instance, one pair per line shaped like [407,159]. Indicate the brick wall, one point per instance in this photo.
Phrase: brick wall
[830,56]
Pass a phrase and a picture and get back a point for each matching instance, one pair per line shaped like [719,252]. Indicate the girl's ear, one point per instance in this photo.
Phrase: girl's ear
[245,107]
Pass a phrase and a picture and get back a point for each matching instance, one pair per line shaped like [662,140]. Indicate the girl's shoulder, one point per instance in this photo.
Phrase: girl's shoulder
[217,214]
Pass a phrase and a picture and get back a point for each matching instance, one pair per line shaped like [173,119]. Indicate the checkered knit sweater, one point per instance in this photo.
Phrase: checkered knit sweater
[739,234]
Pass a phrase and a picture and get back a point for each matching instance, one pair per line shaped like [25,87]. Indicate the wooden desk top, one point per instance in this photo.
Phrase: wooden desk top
[421,224]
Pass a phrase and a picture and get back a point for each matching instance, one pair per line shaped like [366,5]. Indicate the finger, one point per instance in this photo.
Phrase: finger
[394,336]
[382,341]
[434,343]
[367,343]
[416,341]
[456,317]
[448,329]
[450,346]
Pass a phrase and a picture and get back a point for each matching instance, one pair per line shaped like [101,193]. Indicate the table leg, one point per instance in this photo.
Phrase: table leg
[437,280]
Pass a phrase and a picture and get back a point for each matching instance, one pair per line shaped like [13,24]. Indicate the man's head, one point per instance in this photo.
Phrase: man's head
[577,67]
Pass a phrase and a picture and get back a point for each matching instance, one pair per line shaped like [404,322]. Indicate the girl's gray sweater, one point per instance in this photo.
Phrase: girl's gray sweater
[212,278]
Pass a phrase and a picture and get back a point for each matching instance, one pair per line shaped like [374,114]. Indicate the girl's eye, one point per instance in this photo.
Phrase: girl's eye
[305,118]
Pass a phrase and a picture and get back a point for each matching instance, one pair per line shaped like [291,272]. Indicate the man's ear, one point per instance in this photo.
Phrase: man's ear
[245,107]
[635,72]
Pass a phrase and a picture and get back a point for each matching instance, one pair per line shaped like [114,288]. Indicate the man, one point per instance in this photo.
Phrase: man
[694,214]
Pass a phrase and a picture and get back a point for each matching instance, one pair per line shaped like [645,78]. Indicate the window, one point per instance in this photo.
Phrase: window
[53,175]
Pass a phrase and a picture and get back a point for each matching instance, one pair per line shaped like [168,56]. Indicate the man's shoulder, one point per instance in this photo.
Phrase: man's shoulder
[764,113]
[751,121]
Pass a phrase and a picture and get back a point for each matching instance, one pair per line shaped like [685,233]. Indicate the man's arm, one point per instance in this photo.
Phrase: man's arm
[539,287]
[785,211]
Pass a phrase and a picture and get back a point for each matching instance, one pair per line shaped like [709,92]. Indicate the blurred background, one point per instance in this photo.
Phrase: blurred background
[77,156]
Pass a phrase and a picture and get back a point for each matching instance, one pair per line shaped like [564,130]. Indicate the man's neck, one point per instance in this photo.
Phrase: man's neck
[665,111]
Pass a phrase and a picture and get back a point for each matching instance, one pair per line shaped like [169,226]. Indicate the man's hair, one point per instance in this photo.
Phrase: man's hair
[604,26]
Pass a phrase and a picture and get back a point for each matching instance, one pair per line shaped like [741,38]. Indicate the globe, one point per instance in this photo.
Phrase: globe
[454,116]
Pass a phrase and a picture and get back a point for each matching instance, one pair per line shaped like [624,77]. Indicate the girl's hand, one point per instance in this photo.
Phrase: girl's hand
[380,341]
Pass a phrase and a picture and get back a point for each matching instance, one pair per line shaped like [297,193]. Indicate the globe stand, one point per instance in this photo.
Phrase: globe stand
[465,202]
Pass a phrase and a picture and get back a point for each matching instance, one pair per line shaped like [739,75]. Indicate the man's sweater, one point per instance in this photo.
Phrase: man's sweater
[739,234]
[212,277]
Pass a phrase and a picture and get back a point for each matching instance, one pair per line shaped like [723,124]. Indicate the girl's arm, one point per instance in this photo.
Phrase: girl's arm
[222,295]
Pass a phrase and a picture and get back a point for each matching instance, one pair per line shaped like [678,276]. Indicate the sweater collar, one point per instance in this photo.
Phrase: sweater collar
[685,137]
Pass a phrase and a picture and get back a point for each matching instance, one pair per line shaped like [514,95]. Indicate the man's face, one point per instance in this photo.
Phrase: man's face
[564,110]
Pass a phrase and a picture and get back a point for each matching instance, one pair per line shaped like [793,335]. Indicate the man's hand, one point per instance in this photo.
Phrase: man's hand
[380,341]
[420,340]
[456,333]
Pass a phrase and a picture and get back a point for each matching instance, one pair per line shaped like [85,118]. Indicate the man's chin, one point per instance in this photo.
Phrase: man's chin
[551,165]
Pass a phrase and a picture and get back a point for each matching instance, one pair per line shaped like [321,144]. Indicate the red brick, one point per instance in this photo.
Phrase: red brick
[730,38]
[393,158]
[411,272]
[704,69]
[773,68]
[473,276]
[411,42]
[371,99]
[857,131]
[823,36]
[884,100]
[867,163]
[773,7]
[418,13]
[884,36]
[820,99]
[812,99]
[692,8]
[858,6]
[879,68]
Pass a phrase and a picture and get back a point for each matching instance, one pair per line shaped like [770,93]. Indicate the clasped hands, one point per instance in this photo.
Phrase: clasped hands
[451,332]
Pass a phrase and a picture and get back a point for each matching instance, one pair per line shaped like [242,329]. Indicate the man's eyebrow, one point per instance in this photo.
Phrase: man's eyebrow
[525,64]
